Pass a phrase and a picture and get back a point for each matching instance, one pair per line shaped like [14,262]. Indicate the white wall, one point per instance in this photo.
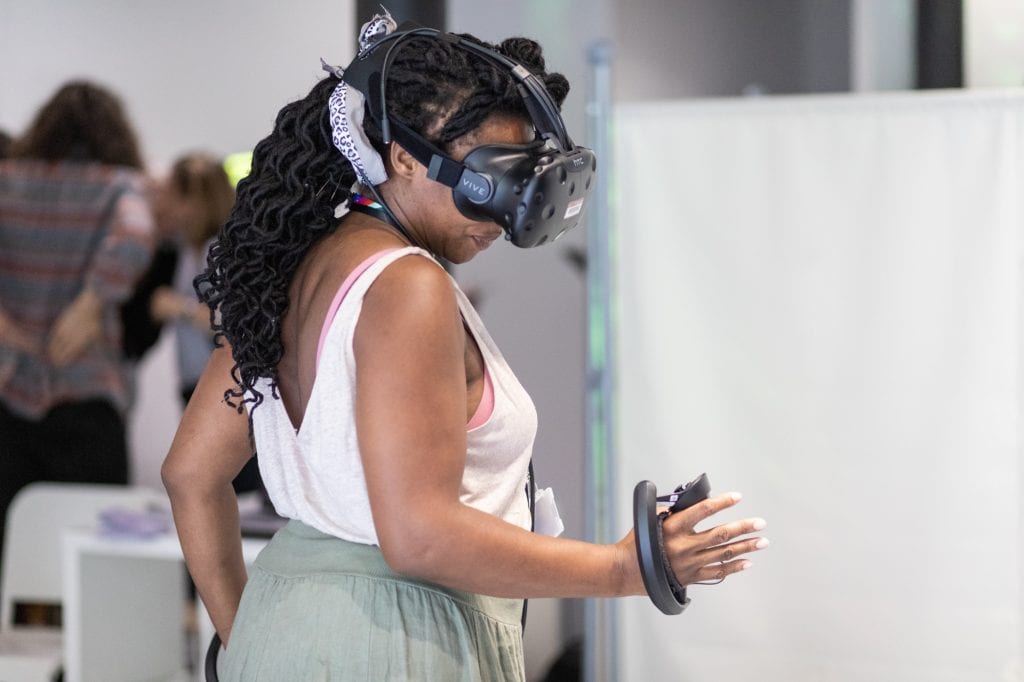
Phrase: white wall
[193,73]
[993,43]
[824,314]
[713,48]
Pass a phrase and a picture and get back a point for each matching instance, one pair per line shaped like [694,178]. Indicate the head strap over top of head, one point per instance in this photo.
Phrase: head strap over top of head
[346,107]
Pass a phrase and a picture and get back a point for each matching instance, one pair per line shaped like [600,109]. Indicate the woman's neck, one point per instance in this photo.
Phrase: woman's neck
[374,206]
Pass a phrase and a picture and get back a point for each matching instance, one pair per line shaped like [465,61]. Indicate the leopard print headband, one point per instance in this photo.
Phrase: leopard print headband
[346,109]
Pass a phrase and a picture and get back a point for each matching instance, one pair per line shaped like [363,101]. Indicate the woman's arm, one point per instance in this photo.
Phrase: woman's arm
[13,335]
[121,257]
[167,304]
[78,325]
[209,449]
[410,415]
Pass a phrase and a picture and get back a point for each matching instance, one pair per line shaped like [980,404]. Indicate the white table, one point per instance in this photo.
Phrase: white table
[124,603]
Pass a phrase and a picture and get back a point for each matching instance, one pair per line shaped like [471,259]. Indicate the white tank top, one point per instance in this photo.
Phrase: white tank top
[315,475]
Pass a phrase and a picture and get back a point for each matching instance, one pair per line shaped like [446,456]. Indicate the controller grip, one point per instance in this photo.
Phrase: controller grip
[650,551]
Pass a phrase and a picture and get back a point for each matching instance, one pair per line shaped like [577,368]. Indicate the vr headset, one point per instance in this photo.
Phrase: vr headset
[535,192]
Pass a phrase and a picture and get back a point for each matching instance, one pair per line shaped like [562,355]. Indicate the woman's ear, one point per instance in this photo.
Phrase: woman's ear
[402,162]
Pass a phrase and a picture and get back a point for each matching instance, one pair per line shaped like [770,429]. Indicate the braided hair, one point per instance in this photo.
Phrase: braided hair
[286,203]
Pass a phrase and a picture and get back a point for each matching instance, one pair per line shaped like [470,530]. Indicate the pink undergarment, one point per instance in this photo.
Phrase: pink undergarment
[486,406]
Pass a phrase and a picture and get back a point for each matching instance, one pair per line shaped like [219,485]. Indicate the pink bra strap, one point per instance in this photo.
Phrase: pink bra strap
[340,296]
[486,406]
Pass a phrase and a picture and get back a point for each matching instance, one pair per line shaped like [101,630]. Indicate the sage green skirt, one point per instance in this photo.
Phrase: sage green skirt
[318,608]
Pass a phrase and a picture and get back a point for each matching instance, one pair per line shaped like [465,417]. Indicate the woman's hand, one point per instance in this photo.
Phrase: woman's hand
[713,554]
[167,304]
[696,556]
[15,336]
[77,326]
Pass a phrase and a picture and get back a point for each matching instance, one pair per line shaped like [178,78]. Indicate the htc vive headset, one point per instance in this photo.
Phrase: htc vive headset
[534,191]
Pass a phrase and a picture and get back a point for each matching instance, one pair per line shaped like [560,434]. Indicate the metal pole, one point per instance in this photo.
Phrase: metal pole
[599,622]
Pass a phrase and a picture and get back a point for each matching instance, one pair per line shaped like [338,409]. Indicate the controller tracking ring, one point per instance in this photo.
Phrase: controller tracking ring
[662,587]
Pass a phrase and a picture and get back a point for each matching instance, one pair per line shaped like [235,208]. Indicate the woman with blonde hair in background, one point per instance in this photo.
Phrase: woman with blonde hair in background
[191,205]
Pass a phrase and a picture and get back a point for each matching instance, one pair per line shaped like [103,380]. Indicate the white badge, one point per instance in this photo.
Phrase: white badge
[546,520]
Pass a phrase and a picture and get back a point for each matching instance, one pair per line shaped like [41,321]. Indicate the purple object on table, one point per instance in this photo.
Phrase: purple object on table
[131,523]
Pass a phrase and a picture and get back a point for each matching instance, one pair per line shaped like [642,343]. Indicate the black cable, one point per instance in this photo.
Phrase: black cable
[531,496]
[211,659]
[385,214]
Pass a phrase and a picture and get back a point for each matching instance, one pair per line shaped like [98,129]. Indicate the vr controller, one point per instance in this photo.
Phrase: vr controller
[664,589]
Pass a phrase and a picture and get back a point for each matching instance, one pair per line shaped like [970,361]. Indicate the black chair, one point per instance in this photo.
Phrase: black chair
[211,659]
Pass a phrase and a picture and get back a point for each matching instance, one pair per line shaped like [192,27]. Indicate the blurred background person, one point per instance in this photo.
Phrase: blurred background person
[190,204]
[190,207]
[75,234]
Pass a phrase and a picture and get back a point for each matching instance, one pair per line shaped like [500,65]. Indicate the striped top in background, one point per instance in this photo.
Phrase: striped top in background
[65,226]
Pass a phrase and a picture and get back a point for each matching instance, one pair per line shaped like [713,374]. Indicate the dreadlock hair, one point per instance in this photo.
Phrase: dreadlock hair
[281,209]
[432,81]
[286,203]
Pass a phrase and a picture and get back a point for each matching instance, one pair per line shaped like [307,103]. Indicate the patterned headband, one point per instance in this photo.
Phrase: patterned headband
[346,109]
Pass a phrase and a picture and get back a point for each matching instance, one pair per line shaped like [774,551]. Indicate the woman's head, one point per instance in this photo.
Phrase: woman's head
[426,208]
[444,93]
[194,200]
[82,121]
[457,100]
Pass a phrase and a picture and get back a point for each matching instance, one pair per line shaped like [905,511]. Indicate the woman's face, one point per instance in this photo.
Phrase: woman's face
[431,212]
[178,216]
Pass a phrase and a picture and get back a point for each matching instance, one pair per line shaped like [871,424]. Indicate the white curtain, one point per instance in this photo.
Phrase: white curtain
[819,304]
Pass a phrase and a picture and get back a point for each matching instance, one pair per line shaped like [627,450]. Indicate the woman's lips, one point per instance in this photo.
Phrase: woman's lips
[483,241]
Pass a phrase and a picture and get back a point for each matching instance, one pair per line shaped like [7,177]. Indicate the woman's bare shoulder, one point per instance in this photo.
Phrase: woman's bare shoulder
[413,281]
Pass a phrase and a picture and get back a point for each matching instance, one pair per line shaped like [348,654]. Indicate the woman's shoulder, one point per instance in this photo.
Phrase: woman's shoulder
[411,284]
[392,275]
[410,307]
[413,273]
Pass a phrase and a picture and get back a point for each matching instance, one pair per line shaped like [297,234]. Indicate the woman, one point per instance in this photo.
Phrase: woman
[389,427]
[190,207]
[75,234]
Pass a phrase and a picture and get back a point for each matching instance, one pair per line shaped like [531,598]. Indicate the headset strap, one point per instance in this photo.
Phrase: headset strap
[542,108]
[440,166]
[367,72]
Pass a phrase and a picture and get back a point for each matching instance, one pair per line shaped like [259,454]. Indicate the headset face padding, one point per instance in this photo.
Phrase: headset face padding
[534,192]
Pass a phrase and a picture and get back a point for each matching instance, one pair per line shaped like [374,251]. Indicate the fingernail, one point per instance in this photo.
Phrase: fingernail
[762,543]
[745,565]
[736,497]
[758,524]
